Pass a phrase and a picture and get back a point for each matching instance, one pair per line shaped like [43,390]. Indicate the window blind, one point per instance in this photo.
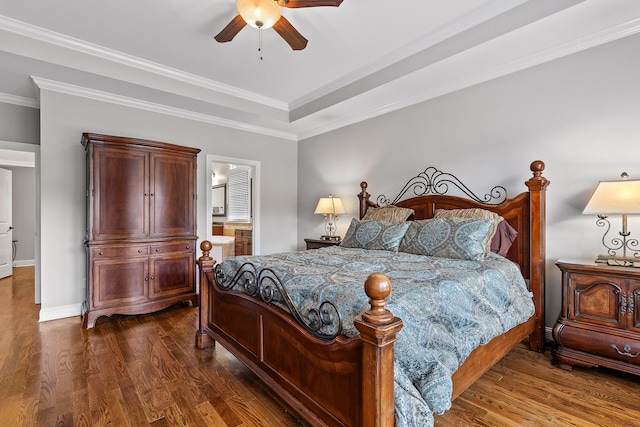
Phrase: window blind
[239,194]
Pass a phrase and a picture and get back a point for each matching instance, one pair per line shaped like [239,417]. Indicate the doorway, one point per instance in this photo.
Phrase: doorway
[24,161]
[233,206]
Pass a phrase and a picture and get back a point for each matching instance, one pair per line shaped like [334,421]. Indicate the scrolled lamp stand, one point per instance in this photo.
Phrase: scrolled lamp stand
[618,243]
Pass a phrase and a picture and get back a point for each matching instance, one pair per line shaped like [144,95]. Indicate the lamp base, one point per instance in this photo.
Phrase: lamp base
[618,261]
[330,238]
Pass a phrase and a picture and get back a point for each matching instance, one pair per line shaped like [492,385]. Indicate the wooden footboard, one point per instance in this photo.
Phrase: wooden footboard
[341,382]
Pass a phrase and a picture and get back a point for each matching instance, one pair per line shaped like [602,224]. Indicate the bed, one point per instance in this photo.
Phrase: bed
[338,370]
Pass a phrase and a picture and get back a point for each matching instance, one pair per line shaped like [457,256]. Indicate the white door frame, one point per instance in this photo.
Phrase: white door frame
[256,195]
[32,148]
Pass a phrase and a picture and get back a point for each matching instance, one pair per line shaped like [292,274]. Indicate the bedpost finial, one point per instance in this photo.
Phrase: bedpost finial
[378,288]
[205,246]
[537,182]
[537,166]
[363,185]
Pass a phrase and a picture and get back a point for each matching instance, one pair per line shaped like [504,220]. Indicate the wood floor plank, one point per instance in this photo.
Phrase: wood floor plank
[210,416]
[144,370]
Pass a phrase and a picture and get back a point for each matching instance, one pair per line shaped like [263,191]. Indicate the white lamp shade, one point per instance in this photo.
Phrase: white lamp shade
[259,13]
[330,205]
[615,197]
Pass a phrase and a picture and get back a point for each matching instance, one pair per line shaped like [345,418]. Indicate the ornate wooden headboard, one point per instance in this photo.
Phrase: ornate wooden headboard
[524,212]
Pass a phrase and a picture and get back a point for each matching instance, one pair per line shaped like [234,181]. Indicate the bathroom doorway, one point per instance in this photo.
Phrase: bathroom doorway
[233,206]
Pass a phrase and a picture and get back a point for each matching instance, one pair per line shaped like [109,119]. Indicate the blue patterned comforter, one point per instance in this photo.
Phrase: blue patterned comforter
[449,307]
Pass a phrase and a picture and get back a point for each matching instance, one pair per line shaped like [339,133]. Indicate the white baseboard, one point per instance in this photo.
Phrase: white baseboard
[548,336]
[24,263]
[61,312]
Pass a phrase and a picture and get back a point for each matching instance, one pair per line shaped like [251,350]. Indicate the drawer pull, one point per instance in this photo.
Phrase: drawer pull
[139,251]
[153,278]
[146,279]
[188,247]
[157,249]
[100,253]
[626,352]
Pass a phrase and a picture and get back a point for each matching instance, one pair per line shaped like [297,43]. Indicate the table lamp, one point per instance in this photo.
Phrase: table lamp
[617,198]
[330,207]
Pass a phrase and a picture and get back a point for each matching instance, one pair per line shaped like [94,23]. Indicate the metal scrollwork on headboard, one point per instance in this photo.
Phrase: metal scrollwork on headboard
[323,322]
[434,181]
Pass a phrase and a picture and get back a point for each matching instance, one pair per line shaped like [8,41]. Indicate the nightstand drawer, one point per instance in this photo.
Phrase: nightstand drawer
[607,344]
[318,243]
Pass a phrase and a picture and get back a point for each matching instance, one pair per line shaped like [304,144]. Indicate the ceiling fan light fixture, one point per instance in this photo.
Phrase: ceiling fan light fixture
[260,14]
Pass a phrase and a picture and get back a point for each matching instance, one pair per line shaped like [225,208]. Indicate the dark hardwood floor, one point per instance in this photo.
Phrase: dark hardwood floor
[144,370]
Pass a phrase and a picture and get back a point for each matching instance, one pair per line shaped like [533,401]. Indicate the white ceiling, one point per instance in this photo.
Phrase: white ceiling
[364,58]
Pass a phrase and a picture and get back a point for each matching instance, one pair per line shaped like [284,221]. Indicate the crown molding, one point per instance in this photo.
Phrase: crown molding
[97,95]
[67,42]
[19,100]
[17,163]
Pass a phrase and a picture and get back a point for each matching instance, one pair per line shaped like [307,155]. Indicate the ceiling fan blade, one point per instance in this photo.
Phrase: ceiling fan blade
[308,3]
[290,34]
[229,32]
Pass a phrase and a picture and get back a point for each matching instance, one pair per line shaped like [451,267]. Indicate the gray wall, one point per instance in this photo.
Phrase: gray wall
[24,213]
[19,124]
[65,117]
[578,114]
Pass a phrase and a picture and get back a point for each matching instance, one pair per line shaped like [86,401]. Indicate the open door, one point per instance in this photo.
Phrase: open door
[6,229]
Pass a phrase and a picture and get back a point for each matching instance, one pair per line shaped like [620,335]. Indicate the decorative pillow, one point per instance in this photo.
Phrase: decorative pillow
[381,235]
[477,213]
[390,213]
[504,238]
[457,238]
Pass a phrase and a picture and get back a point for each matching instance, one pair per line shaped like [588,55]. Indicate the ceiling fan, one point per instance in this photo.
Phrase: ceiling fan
[263,14]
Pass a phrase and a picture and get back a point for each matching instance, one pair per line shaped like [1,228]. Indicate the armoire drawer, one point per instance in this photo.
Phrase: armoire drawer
[119,251]
[165,248]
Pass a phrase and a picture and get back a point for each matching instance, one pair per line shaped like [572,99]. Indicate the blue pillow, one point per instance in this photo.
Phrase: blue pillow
[381,235]
[456,238]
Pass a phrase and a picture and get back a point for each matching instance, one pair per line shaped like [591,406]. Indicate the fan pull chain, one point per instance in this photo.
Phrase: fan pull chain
[260,42]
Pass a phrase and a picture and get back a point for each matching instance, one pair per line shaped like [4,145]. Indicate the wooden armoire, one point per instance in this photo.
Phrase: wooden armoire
[141,226]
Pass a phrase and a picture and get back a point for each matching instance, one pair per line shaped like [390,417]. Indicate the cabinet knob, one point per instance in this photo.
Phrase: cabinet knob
[146,194]
[100,253]
[153,194]
[152,277]
[146,279]
[188,247]
[139,251]
[157,249]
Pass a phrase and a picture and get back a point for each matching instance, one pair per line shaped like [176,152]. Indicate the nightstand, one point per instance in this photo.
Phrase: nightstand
[599,322]
[317,243]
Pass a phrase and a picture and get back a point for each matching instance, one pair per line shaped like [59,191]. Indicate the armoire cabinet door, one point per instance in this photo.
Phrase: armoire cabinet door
[172,195]
[120,194]
[119,282]
[171,275]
